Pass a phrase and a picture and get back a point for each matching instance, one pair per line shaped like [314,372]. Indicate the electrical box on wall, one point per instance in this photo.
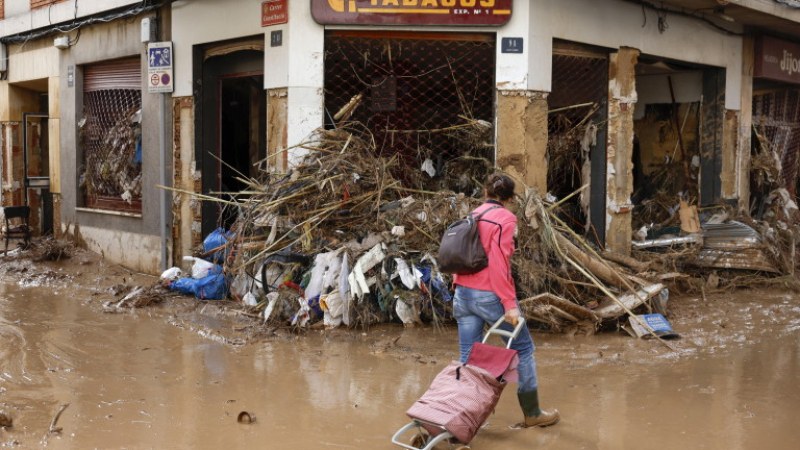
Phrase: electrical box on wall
[149,26]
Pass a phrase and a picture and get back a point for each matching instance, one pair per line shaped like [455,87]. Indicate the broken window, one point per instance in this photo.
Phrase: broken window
[427,98]
[111,136]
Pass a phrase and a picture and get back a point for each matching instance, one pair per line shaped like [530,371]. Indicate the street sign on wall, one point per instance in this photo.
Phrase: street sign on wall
[411,12]
[776,59]
[274,12]
[159,67]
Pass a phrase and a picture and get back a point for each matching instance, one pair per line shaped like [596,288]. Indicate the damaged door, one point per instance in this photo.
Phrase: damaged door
[36,166]
[232,127]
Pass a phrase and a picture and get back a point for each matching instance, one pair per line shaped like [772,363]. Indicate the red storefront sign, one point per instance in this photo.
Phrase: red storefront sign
[776,59]
[274,12]
[411,12]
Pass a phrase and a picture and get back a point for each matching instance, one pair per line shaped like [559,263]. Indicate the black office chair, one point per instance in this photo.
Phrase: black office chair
[17,224]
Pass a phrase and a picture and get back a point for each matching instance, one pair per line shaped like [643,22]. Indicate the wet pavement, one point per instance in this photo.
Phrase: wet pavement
[157,378]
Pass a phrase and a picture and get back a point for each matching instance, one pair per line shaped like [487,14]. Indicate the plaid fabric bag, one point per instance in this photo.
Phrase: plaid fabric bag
[460,399]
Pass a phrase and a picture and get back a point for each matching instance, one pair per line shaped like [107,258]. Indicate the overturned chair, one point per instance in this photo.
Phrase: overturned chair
[16,224]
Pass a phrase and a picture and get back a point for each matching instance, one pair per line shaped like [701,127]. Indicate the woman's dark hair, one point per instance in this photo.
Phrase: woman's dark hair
[499,186]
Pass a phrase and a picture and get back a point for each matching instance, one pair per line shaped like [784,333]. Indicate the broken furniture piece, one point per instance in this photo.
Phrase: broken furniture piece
[16,224]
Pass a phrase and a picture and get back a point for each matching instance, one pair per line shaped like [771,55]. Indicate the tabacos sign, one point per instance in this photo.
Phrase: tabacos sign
[777,60]
[411,12]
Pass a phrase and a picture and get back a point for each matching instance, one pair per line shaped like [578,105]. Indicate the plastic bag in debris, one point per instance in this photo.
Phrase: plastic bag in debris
[200,267]
[405,312]
[323,274]
[272,299]
[172,274]
[344,289]
[216,240]
[244,284]
[249,299]
[214,286]
[333,306]
[407,276]
[309,309]
[434,282]
[359,284]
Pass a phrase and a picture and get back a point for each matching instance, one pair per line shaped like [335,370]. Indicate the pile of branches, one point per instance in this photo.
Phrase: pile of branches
[338,240]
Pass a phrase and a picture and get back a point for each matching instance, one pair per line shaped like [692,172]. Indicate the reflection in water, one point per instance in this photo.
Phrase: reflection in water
[134,381]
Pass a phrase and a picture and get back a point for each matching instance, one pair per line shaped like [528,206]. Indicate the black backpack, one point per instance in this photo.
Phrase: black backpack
[460,250]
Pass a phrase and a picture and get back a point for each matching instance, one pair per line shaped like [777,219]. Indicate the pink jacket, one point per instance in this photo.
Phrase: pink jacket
[498,241]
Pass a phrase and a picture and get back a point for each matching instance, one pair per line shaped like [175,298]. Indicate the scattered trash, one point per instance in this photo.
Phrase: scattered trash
[215,245]
[5,420]
[172,274]
[246,418]
[213,286]
[53,428]
[657,323]
[200,267]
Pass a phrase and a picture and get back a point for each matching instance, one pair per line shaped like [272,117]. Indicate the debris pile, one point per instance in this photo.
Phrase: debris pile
[113,162]
[338,240]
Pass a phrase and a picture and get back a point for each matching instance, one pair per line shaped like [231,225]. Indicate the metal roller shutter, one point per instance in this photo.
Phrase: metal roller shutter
[117,74]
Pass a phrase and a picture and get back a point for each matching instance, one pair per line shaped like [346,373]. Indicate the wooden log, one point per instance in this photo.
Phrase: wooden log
[592,264]
[627,261]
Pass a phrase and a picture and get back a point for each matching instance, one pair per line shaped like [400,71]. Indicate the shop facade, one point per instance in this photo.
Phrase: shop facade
[776,122]
[82,144]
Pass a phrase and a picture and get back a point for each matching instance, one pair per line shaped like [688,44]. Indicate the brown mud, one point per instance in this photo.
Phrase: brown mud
[178,374]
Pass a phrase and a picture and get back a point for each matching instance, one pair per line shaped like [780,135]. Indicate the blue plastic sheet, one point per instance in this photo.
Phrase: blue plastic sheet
[214,286]
[217,240]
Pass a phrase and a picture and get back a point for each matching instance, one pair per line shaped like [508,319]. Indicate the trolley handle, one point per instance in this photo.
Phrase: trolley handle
[511,335]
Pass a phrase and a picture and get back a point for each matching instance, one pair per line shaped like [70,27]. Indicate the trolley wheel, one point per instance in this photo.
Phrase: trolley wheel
[419,440]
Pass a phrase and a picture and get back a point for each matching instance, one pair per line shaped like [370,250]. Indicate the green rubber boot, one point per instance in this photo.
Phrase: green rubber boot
[535,416]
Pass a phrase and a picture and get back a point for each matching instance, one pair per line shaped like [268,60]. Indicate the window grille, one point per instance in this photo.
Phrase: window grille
[420,93]
[776,117]
[111,138]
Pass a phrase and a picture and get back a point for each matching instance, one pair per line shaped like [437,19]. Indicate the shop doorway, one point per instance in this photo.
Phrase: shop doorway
[677,151]
[231,129]
[36,169]
[577,136]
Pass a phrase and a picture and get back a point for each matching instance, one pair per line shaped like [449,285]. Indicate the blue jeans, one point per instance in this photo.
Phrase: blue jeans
[473,309]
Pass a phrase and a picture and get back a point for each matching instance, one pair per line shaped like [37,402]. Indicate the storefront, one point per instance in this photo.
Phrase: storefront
[110,201]
[427,96]
[775,156]
[624,80]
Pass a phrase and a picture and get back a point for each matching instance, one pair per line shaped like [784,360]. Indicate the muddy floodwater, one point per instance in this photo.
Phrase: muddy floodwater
[161,379]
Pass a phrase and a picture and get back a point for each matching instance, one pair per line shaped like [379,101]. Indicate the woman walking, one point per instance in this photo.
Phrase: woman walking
[485,296]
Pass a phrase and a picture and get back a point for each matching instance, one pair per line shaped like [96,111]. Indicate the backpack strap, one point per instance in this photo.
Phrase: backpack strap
[478,218]
[487,210]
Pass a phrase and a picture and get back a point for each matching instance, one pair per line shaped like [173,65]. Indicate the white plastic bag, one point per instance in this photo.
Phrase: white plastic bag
[172,274]
[200,267]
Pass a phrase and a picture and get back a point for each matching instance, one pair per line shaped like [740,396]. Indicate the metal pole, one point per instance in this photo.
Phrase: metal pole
[163,180]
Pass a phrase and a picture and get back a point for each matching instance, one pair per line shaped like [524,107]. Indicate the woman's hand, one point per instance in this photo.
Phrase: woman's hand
[512,316]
